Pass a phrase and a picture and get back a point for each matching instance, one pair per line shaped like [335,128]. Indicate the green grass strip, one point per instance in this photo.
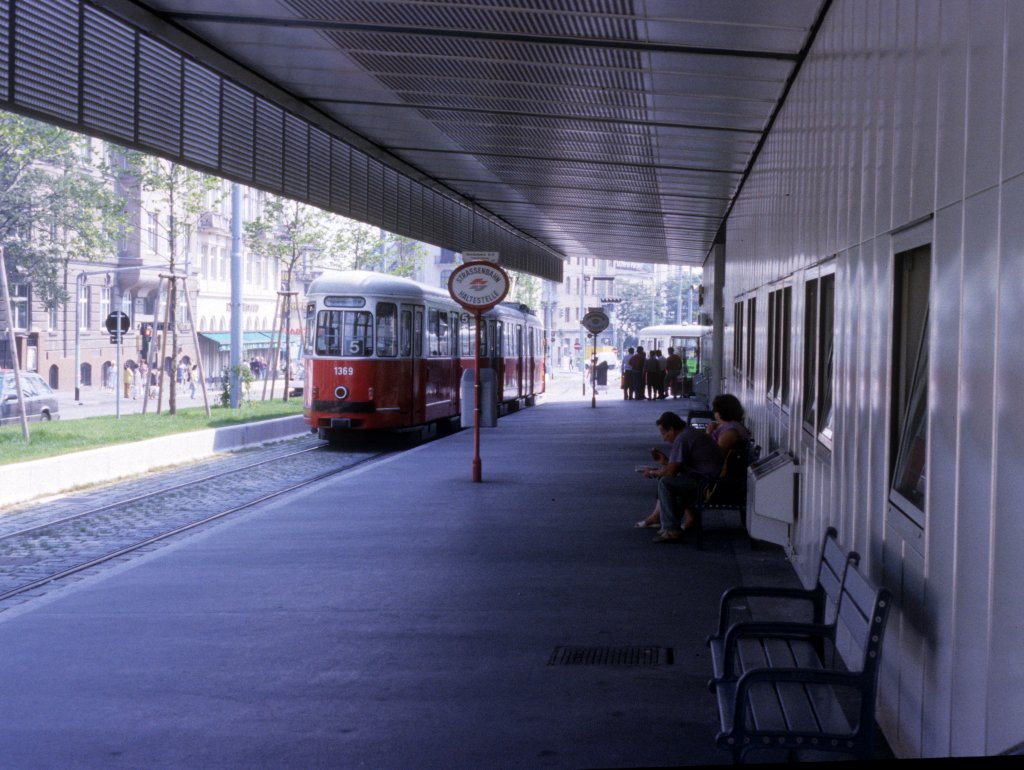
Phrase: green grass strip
[49,439]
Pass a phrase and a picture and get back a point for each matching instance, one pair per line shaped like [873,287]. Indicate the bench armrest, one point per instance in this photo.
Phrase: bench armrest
[767,630]
[812,595]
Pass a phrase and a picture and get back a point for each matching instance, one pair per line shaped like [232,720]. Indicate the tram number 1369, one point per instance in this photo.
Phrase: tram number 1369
[344,370]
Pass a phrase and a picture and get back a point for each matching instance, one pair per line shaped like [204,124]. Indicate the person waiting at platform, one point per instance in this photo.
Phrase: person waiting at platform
[636,365]
[627,375]
[652,373]
[727,429]
[693,459]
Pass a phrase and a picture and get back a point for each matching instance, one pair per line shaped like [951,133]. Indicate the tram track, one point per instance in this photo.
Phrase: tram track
[64,544]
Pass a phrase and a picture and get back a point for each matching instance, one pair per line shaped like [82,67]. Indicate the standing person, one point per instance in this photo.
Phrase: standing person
[193,375]
[141,379]
[662,382]
[673,369]
[627,375]
[126,379]
[651,374]
[693,459]
[636,364]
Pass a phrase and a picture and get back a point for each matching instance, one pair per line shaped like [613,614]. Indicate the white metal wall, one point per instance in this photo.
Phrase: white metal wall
[909,109]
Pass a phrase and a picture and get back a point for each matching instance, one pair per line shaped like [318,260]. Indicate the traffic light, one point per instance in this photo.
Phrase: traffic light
[146,333]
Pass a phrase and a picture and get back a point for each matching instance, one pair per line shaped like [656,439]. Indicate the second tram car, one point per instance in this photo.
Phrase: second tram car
[686,339]
[385,352]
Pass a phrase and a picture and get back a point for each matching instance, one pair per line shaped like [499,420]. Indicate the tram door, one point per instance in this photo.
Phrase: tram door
[530,345]
[520,371]
[410,345]
[498,358]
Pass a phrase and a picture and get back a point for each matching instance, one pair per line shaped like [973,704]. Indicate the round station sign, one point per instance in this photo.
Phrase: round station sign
[478,285]
[595,321]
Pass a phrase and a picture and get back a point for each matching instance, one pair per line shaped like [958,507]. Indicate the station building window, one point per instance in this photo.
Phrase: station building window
[751,337]
[819,343]
[908,426]
[737,337]
[780,304]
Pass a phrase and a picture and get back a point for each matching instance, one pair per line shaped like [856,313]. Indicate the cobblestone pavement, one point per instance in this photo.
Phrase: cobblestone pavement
[47,537]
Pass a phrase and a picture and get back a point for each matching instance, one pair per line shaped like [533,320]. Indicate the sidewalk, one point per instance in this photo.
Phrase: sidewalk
[399,616]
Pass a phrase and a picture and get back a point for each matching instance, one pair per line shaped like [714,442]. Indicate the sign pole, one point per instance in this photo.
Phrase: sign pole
[477,464]
[595,322]
[119,379]
[478,286]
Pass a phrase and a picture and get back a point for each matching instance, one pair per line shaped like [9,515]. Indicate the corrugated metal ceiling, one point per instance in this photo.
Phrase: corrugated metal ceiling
[602,128]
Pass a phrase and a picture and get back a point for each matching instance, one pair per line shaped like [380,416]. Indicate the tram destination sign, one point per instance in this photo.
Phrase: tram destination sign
[478,286]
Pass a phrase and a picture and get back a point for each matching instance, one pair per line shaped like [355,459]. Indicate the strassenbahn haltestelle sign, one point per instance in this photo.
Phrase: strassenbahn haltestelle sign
[478,286]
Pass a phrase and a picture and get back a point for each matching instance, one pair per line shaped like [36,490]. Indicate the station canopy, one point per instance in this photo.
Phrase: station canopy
[542,129]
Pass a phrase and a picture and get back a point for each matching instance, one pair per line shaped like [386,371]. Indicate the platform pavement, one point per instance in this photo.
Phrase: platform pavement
[400,616]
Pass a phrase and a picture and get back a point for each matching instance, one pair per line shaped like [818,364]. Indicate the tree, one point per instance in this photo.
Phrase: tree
[57,206]
[295,234]
[637,306]
[358,246]
[525,288]
[354,245]
[174,196]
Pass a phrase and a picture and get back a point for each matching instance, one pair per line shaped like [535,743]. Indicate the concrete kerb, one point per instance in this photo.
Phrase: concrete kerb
[21,482]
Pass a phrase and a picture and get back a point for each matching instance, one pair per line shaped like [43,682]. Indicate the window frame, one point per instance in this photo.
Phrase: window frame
[819,333]
[780,345]
[909,380]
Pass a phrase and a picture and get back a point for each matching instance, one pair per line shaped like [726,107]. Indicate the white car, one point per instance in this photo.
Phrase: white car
[40,399]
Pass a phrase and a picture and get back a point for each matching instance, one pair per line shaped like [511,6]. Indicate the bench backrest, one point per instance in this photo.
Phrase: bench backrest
[832,569]
[863,610]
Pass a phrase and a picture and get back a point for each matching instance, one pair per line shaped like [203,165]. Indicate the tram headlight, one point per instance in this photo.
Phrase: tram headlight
[341,392]
[369,393]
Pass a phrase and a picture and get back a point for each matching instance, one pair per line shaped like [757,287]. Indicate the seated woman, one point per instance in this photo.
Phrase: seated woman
[727,430]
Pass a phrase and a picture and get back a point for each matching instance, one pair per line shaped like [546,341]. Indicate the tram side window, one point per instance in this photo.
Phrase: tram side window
[466,336]
[908,431]
[346,333]
[455,334]
[387,329]
[442,333]
[437,332]
[405,334]
[310,327]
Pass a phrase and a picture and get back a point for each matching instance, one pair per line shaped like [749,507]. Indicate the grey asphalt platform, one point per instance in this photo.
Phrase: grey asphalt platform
[399,617]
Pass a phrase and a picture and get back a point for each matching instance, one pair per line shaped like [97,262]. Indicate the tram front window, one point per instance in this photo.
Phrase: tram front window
[344,333]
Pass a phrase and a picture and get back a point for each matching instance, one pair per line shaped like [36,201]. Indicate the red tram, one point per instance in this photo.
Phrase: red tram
[384,352]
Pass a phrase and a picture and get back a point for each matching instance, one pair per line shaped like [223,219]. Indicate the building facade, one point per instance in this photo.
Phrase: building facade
[870,297]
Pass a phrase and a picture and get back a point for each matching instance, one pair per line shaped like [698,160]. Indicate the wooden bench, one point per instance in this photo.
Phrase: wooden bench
[779,692]
[822,600]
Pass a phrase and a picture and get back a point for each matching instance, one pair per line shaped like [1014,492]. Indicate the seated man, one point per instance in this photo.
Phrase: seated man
[694,457]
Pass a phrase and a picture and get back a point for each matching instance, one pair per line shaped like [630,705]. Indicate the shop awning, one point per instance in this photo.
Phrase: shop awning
[250,340]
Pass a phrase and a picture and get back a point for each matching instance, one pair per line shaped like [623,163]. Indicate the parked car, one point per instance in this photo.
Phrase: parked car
[40,399]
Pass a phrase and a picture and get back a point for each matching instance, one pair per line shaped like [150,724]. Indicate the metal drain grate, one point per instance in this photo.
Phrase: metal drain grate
[611,656]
